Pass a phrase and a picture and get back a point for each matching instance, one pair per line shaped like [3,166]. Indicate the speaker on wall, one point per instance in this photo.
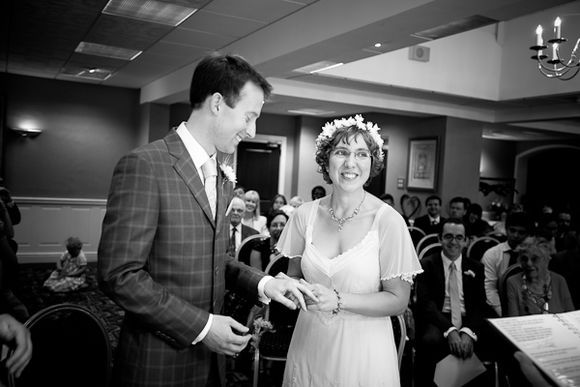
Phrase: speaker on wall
[419,53]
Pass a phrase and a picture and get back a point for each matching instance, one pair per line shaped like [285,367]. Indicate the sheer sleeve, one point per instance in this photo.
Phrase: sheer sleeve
[293,239]
[397,252]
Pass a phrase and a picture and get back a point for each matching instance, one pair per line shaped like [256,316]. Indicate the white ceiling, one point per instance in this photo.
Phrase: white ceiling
[279,36]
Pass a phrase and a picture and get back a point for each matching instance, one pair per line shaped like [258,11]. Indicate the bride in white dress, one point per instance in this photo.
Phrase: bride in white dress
[358,258]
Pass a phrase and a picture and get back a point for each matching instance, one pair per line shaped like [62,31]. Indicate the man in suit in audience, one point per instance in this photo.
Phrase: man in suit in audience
[162,255]
[431,222]
[238,231]
[450,309]
[497,259]
[458,207]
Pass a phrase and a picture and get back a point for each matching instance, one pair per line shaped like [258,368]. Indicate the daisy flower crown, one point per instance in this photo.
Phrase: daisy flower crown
[330,128]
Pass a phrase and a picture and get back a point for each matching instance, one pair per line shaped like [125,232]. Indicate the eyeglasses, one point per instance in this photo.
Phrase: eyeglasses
[360,155]
[450,237]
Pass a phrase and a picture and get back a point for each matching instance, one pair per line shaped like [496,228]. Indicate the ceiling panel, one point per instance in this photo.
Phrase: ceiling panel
[198,38]
[124,32]
[161,51]
[216,23]
[266,11]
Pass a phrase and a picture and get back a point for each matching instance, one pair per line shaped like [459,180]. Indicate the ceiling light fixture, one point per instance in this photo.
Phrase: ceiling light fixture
[326,68]
[562,69]
[150,11]
[107,51]
[377,45]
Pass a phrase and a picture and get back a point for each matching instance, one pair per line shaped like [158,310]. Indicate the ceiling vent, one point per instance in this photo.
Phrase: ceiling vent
[159,12]
[107,51]
[455,27]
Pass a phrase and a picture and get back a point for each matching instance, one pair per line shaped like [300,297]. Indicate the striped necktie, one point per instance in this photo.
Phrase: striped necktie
[454,296]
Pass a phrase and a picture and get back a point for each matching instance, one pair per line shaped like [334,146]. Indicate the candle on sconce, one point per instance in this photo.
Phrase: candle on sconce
[558,28]
[554,48]
[539,40]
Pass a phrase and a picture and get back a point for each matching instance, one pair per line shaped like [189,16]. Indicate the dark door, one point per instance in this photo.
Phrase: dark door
[258,169]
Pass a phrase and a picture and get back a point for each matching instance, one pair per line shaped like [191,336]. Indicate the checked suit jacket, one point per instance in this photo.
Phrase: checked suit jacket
[162,258]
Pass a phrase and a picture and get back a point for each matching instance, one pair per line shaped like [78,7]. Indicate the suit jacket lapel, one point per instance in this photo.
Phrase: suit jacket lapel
[186,169]
[225,190]
[440,279]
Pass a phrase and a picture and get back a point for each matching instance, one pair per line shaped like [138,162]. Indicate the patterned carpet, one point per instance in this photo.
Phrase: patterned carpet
[35,297]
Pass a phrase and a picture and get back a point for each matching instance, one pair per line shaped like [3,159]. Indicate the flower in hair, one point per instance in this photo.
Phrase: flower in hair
[329,128]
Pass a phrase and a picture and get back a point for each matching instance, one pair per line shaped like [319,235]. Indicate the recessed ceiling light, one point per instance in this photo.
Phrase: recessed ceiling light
[93,73]
[150,11]
[317,67]
[107,51]
[377,45]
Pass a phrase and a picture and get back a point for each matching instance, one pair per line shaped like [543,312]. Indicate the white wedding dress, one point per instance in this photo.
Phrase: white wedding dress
[347,349]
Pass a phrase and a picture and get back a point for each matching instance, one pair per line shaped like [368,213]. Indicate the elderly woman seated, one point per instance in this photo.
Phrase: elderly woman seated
[536,289]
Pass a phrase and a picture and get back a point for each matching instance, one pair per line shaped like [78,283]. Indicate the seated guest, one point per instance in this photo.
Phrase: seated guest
[388,198]
[70,268]
[564,237]
[296,201]
[278,201]
[457,207]
[567,264]
[260,257]
[252,217]
[498,258]
[239,191]
[318,192]
[476,227]
[547,231]
[536,289]
[451,307]
[431,222]
[238,231]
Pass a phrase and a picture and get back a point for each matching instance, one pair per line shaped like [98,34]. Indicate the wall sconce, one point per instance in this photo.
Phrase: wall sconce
[27,132]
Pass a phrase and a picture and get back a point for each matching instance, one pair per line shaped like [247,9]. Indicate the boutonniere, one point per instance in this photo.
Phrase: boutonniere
[228,173]
[469,273]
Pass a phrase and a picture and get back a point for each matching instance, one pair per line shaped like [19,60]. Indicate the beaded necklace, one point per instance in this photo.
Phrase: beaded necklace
[342,221]
[541,301]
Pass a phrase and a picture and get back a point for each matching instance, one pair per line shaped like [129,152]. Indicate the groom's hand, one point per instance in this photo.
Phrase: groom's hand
[288,291]
[222,336]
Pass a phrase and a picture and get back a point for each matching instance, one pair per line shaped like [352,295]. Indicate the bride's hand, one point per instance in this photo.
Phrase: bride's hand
[327,299]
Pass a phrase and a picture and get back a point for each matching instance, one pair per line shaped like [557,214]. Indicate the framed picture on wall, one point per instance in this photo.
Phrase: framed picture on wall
[422,166]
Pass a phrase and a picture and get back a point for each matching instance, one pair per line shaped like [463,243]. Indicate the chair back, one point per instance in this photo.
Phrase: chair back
[416,234]
[479,246]
[433,248]
[280,316]
[427,240]
[400,335]
[501,285]
[500,236]
[256,242]
[71,348]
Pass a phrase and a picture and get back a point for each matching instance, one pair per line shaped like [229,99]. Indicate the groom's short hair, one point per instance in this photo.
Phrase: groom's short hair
[224,74]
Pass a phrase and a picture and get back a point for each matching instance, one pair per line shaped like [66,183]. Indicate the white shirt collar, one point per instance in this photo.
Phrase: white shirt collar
[195,150]
[437,219]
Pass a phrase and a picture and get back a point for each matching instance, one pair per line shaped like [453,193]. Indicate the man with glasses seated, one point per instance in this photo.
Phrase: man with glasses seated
[450,309]
[497,259]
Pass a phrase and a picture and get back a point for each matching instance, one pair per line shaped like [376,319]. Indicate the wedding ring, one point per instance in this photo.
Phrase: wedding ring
[235,355]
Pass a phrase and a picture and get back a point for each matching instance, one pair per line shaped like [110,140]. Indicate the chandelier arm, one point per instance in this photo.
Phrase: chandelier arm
[573,61]
[561,78]
[552,72]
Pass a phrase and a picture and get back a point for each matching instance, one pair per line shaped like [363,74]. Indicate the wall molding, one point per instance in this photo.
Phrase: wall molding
[47,222]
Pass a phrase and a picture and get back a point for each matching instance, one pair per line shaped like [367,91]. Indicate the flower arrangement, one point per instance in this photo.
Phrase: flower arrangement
[329,128]
[228,173]
[469,273]
[261,326]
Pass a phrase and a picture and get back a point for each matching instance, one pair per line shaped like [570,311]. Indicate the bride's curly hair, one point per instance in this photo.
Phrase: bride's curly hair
[326,145]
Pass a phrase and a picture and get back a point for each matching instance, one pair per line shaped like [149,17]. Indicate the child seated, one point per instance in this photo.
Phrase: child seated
[70,268]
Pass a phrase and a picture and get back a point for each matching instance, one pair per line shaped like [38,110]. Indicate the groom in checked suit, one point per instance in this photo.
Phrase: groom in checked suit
[162,255]
[451,307]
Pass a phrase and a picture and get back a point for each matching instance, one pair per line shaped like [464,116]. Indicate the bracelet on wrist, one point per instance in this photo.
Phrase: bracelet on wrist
[338,308]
